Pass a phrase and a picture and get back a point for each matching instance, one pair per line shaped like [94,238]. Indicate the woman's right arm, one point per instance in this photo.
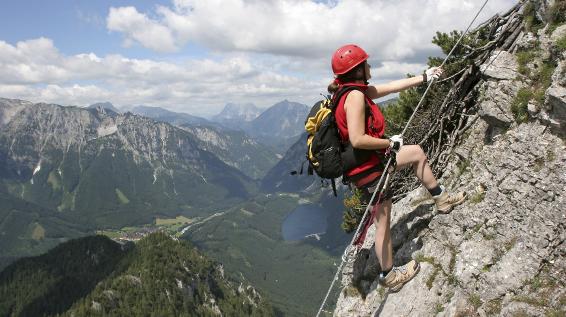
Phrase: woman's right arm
[355,116]
[376,91]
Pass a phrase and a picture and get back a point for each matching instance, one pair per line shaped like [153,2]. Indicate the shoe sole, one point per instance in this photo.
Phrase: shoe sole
[447,211]
[398,287]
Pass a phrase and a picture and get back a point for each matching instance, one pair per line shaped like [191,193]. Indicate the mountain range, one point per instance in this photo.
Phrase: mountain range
[277,126]
[67,172]
[74,170]
[233,147]
[175,118]
[61,156]
[280,125]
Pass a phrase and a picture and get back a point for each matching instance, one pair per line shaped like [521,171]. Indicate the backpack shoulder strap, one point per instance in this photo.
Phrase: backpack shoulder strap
[333,182]
[341,92]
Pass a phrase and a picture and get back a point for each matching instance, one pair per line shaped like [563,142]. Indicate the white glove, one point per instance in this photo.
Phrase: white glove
[395,143]
[433,73]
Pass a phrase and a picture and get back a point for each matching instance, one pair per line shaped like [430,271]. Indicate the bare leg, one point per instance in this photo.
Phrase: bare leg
[413,155]
[383,246]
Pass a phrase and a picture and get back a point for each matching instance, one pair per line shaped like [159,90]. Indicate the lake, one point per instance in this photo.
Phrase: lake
[304,220]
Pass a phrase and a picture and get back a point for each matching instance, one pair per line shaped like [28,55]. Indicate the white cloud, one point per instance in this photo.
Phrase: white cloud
[387,29]
[200,86]
[138,27]
[263,51]
[32,61]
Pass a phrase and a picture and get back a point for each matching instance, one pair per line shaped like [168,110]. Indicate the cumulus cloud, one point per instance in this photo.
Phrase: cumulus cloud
[35,70]
[262,51]
[388,29]
[137,27]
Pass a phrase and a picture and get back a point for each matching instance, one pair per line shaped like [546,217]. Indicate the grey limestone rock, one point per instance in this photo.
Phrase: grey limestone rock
[526,41]
[495,105]
[488,250]
[558,34]
[9,108]
[501,65]
[555,101]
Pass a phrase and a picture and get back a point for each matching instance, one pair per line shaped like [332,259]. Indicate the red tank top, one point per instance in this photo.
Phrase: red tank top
[375,127]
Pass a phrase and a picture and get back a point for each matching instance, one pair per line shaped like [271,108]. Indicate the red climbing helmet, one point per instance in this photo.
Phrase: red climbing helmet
[347,57]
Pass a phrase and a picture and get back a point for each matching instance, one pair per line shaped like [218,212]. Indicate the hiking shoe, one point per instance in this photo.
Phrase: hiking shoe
[445,201]
[398,276]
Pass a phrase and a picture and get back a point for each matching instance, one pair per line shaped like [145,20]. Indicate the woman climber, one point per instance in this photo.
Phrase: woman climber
[361,123]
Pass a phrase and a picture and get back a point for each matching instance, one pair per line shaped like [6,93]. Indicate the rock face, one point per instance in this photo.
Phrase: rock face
[503,251]
[495,106]
[10,107]
[502,65]
[489,252]
[556,99]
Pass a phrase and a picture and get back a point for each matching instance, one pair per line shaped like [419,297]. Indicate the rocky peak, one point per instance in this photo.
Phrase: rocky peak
[286,104]
[10,107]
[240,112]
[283,119]
[104,107]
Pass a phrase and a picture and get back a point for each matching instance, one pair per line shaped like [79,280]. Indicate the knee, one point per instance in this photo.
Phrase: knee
[420,155]
[417,155]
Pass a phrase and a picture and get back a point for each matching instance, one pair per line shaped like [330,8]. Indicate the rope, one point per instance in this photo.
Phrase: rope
[386,170]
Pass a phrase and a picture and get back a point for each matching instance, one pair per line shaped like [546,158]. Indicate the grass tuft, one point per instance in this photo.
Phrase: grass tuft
[351,292]
[519,105]
[523,59]
[477,198]
[493,307]
[439,307]
[550,155]
[539,301]
[432,277]
[561,43]
[510,244]
[475,300]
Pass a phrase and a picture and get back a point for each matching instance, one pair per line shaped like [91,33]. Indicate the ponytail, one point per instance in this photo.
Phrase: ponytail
[357,73]
[333,86]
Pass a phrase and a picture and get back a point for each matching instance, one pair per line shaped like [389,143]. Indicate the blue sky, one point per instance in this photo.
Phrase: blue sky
[76,26]
[195,56]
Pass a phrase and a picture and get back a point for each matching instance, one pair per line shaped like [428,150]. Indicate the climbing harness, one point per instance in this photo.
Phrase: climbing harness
[381,186]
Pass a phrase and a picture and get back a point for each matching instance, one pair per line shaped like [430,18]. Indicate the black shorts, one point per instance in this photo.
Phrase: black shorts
[368,189]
